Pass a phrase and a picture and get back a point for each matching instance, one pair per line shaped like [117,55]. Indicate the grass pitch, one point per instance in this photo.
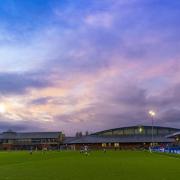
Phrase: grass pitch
[125,165]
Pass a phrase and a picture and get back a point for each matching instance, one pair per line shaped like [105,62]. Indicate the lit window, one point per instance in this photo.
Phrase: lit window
[140,129]
[116,144]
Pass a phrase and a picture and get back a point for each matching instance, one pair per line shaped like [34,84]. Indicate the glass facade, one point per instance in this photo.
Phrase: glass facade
[129,131]
[163,131]
[138,130]
[118,132]
[149,131]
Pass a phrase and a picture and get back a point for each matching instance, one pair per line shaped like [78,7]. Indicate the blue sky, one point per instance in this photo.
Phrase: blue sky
[88,65]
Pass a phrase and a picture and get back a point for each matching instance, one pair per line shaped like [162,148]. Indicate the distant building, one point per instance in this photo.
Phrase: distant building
[31,140]
[124,138]
[133,137]
[176,137]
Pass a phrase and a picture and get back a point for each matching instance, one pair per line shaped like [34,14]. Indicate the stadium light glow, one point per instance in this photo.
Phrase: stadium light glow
[152,113]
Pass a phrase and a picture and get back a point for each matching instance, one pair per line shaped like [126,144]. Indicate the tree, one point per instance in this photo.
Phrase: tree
[87,133]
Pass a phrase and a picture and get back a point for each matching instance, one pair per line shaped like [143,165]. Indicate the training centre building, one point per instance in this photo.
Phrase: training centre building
[120,138]
[124,138]
[10,140]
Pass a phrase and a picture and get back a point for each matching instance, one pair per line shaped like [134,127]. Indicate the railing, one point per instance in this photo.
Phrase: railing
[173,150]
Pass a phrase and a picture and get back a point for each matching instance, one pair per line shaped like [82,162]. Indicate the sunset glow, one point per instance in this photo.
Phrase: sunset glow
[88,65]
[2,108]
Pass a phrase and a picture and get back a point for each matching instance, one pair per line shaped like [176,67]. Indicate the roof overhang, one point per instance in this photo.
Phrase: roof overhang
[174,135]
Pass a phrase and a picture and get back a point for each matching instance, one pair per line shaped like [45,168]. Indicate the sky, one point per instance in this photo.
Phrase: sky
[88,65]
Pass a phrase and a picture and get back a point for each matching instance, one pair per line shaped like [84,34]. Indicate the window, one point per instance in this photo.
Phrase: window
[163,131]
[139,130]
[116,144]
[129,131]
[149,131]
[118,132]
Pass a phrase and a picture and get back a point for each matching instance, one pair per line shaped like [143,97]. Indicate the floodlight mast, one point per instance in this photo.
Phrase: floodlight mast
[152,114]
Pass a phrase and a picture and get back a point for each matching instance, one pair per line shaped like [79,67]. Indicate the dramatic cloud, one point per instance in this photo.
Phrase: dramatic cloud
[13,83]
[89,65]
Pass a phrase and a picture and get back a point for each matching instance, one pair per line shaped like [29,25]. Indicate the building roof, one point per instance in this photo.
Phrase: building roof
[68,140]
[174,135]
[93,139]
[29,135]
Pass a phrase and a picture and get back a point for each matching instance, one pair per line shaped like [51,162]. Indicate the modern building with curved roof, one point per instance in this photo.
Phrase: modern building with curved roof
[137,131]
[125,137]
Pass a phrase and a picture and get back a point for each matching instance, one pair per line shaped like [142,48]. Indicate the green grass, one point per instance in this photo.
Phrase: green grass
[125,165]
